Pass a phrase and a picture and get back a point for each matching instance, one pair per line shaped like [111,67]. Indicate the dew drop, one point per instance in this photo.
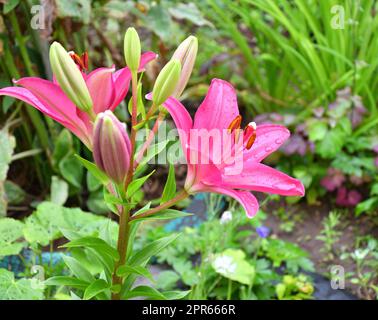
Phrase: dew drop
[278,141]
[268,149]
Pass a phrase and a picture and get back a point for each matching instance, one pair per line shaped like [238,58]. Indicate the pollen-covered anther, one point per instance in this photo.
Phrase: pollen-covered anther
[250,135]
[81,62]
[235,124]
[84,59]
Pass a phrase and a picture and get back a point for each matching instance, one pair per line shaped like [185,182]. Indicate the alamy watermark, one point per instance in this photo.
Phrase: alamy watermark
[37,21]
[338,20]
[337,277]
[216,146]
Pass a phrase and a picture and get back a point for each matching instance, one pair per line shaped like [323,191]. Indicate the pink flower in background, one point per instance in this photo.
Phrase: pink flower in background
[347,198]
[106,86]
[334,179]
[218,110]
[356,180]
[296,145]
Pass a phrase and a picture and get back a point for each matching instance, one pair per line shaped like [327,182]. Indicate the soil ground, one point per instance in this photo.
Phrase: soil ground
[308,226]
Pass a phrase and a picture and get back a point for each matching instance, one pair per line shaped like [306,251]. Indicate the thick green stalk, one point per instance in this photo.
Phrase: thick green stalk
[123,240]
[134,84]
[124,217]
[229,290]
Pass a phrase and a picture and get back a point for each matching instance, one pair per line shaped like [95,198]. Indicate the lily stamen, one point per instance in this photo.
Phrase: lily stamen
[235,124]
[81,62]
[250,134]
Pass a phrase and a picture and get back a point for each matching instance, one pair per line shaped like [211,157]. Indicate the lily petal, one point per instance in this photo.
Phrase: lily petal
[245,198]
[146,57]
[51,96]
[86,121]
[269,137]
[259,177]
[70,121]
[218,108]
[206,172]
[26,96]
[121,80]
[182,120]
[101,88]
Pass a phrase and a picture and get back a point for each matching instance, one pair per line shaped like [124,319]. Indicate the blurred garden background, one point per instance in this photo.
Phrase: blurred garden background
[309,65]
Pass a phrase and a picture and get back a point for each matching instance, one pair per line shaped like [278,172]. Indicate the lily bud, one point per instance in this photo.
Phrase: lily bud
[132,49]
[166,82]
[186,53]
[111,146]
[69,77]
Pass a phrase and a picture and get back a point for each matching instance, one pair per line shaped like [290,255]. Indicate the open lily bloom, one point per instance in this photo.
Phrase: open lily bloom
[106,86]
[219,112]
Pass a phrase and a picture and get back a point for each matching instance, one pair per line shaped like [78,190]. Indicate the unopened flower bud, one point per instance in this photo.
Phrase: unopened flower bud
[132,49]
[166,82]
[111,146]
[186,53]
[69,77]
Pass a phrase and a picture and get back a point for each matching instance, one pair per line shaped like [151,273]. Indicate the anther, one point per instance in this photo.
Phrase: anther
[235,124]
[250,134]
[82,61]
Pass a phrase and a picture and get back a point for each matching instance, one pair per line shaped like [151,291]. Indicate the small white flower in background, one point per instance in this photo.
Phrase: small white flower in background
[226,217]
[361,254]
[224,265]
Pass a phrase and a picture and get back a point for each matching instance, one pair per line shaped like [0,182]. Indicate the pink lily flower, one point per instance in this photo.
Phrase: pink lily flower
[106,86]
[219,111]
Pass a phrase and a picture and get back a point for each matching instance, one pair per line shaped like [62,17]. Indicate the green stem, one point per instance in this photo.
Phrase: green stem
[24,154]
[150,138]
[21,42]
[151,111]
[123,240]
[180,196]
[258,247]
[124,217]
[229,291]
[134,84]
[134,88]
[215,283]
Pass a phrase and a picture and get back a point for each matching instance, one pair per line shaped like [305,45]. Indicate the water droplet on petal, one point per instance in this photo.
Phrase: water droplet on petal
[268,149]
[278,141]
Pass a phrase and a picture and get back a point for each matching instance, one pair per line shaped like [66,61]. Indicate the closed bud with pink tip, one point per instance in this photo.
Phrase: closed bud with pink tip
[111,146]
